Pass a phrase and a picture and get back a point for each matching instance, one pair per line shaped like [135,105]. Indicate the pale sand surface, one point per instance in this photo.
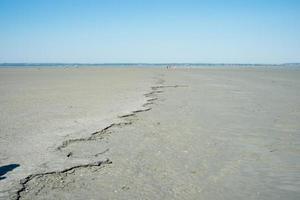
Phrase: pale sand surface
[210,134]
[40,108]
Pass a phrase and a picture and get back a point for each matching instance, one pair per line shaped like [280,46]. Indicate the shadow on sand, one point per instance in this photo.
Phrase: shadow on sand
[7,168]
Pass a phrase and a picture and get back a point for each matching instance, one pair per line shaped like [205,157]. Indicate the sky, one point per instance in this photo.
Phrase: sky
[150,31]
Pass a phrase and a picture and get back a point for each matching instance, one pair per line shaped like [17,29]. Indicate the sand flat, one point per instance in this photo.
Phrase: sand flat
[41,108]
[228,133]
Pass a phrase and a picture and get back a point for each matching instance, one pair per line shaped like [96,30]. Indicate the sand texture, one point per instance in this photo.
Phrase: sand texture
[150,133]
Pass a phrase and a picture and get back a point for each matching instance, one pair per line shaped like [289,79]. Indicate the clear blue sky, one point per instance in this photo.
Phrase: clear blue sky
[240,31]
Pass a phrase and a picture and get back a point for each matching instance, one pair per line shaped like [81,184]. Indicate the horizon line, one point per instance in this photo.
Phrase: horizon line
[139,63]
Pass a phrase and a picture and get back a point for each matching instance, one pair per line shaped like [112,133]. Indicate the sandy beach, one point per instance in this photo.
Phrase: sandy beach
[149,133]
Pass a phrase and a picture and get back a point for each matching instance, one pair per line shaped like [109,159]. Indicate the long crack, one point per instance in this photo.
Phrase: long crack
[100,134]
[94,136]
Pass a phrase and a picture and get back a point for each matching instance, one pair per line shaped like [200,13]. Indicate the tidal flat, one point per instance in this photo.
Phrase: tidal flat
[150,133]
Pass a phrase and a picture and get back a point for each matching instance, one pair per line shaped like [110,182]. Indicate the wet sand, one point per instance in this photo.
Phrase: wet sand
[182,134]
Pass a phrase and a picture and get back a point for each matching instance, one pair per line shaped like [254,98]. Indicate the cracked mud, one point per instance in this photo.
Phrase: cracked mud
[35,184]
[201,134]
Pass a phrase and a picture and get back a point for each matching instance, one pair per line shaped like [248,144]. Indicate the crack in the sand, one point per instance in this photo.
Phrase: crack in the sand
[152,99]
[97,135]
[94,136]
[167,86]
[134,112]
[147,104]
[24,181]
[127,115]
[153,92]
[100,134]
[103,152]
[142,110]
